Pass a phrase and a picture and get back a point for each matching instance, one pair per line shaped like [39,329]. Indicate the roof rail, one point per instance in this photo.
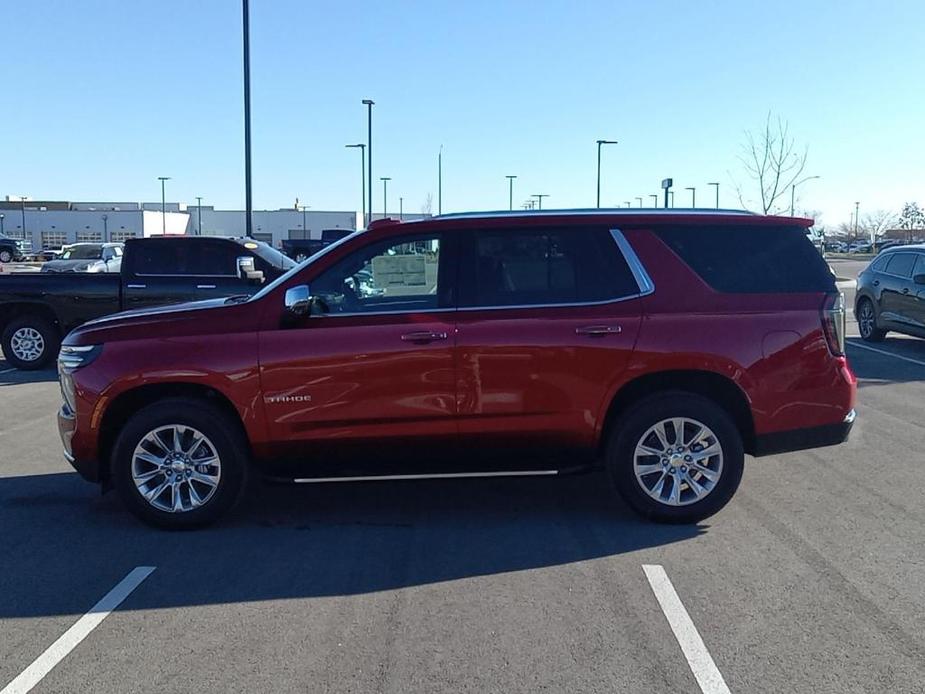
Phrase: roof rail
[625,211]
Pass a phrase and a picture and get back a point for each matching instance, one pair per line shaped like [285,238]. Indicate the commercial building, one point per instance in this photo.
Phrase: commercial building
[50,224]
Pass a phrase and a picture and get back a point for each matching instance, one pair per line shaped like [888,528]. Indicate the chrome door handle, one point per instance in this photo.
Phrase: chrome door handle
[599,330]
[905,290]
[876,283]
[136,286]
[423,336]
[205,286]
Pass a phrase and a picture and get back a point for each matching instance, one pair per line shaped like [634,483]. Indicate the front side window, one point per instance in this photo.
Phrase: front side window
[541,267]
[393,275]
[901,264]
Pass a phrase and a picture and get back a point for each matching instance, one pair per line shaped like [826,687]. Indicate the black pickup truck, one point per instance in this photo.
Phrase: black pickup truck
[38,309]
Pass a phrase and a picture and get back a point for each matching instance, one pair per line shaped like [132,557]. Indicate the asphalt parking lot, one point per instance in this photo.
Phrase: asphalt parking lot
[812,579]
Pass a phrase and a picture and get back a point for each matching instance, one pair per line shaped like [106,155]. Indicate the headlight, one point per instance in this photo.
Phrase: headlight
[71,358]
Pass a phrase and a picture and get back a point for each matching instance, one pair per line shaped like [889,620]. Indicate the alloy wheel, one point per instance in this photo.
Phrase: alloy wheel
[678,461]
[176,468]
[866,319]
[27,344]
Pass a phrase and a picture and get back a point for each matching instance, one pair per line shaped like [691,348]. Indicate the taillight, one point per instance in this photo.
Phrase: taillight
[833,323]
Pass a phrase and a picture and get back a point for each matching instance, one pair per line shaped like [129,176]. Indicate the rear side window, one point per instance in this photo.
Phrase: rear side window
[752,260]
[901,264]
[185,257]
[524,267]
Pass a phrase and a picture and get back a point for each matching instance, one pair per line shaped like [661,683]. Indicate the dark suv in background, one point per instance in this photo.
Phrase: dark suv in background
[891,294]
[661,346]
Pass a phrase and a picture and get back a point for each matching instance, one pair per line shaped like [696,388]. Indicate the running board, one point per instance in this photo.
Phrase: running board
[426,476]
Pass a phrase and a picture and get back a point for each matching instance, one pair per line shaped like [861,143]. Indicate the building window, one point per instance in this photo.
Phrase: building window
[53,239]
[16,234]
[265,237]
[89,237]
[121,235]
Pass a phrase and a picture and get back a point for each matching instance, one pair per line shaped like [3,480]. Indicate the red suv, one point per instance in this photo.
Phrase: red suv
[661,346]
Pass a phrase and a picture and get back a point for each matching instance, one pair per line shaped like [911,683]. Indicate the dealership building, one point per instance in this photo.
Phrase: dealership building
[50,224]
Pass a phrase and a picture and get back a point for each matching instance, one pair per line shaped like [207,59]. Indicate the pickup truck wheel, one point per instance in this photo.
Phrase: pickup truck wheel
[6,256]
[867,322]
[180,463]
[676,457]
[30,342]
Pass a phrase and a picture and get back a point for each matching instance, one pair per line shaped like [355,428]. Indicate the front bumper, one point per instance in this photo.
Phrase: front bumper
[87,466]
[802,439]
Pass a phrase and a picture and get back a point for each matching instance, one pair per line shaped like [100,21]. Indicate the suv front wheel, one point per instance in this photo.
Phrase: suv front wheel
[180,463]
[676,457]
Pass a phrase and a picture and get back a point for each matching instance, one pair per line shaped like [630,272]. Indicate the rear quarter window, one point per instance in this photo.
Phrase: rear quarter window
[752,260]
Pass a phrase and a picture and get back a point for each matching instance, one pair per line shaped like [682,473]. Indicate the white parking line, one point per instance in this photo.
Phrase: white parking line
[698,657]
[889,354]
[57,651]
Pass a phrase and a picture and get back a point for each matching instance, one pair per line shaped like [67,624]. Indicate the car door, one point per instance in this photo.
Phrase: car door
[896,288]
[547,322]
[368,380]
[917,300]
[174,270]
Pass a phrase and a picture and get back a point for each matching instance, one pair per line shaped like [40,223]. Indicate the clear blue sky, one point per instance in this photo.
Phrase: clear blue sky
[101,97]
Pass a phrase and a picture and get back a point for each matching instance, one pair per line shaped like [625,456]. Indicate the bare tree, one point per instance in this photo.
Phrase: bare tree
[874,224]
[428,206]
[774,162]
[912,217]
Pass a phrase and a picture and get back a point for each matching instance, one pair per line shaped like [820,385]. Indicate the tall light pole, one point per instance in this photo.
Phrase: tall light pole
[628,203]
[671,197]
[440,181]
[539,199]
[599,144]
[385,195]
[510,192]
[369,161]
[2,233]
[654,199]
[22,209]
[163,180]
[362,149]
[693,196]
[199,215]
[248,199]
[639,199]
[715,185]
[793,191]
[304,228]
[105,228]
[857,209]
[401,209]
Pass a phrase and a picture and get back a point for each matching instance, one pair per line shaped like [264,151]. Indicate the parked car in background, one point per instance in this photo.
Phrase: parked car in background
[860,247]
[9,250]
[87,257]
[302,249]
[891,294]
[836,246]
[662,346]
[38,309]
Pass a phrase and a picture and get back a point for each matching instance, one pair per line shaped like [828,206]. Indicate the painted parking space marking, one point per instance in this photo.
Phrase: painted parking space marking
[889,354]
[698,657]
[69,640]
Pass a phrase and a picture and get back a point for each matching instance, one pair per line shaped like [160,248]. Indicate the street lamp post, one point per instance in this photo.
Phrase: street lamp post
[440,181]
[385,195]
[510,192]
[369,161]
[163,180]
[248,199]
[105,228]
[2,233]
[793,191]
[639,199]
[715,184]
[362,148]
[857,209]
[22,209]
[599,144]
[539,199]
[671,197]
[401,209]
[693,196]
[628,203]
[304,228]
[654,199]
[199,215]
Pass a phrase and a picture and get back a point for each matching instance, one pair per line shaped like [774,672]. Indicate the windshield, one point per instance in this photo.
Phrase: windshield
[297,267]
[90,252]
[272,256]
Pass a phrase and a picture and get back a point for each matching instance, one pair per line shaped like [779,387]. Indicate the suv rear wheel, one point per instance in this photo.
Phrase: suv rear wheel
[867,322]
[676,457]
[6,255]
[180,463]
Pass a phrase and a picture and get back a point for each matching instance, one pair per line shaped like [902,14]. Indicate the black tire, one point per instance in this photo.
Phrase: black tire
[6,256]
[647,413]
[869,330]
[223,434]
[50,341]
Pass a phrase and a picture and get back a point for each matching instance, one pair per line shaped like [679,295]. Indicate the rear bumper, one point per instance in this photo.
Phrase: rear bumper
[802,439]
[87,467]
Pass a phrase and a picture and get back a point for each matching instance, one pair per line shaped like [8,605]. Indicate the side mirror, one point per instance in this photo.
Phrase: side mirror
[247,270]
[299,300]
[919,279]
